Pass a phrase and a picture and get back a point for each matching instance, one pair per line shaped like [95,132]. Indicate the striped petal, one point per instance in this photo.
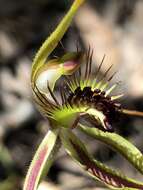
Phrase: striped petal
[119,144]
[42,160]
[97,170]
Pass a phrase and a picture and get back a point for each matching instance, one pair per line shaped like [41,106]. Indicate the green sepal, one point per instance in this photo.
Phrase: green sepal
[77,150]
[119,144]
[42,160]
[51,42]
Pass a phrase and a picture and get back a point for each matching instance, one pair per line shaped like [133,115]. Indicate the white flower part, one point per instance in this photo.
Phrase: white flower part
[98,115]
[48,77]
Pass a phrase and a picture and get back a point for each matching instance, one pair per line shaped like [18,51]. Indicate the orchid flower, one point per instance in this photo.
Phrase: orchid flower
[85,97]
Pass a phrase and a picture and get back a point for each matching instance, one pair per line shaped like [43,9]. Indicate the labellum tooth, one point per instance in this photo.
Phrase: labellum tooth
[117,97]
[104,86]
[110,89]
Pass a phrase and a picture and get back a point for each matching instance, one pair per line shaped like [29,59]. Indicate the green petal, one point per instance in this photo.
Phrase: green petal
[51,42]
[119,144]
[97,170]
[42,160]
[67,116]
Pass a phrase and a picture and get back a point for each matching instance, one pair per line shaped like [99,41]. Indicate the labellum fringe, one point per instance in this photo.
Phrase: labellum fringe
[94,93]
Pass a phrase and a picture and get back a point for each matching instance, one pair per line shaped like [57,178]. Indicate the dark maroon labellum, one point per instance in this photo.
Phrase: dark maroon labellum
[99,101]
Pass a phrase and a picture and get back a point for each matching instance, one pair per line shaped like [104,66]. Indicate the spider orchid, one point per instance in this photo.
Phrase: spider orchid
[85,97]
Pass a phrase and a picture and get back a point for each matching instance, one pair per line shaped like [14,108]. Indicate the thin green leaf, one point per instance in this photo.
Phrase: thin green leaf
[119,144]
[97,170]
[52,41]
[42,160]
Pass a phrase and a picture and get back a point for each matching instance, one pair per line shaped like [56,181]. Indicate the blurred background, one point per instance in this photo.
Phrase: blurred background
[110,27]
